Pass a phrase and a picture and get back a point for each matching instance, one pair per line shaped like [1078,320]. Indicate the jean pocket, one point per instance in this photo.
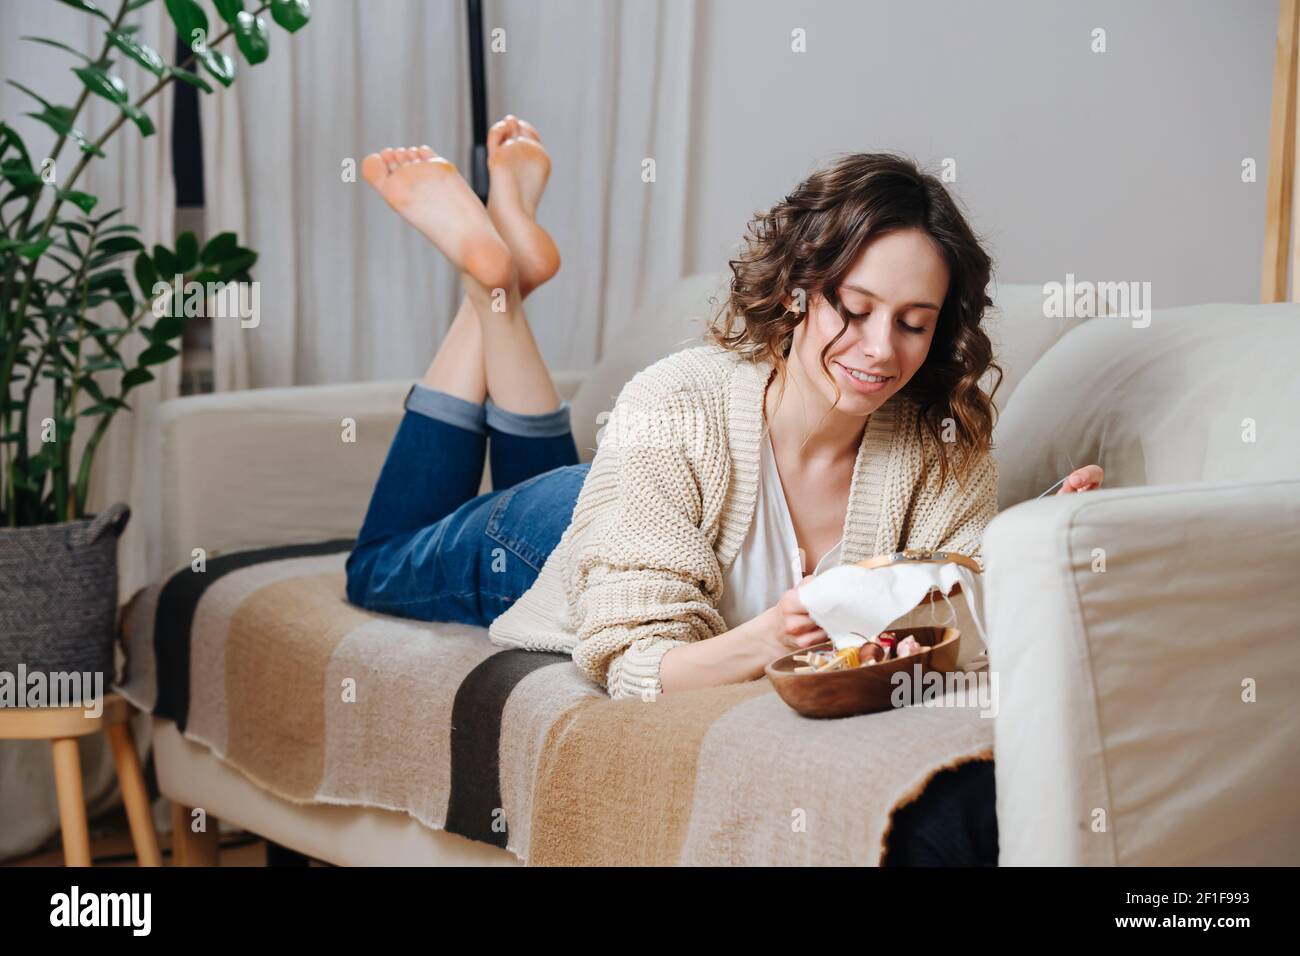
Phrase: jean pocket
[530,518]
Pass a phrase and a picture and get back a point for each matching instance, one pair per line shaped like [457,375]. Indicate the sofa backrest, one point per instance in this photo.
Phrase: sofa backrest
[1199,393]
[676,315]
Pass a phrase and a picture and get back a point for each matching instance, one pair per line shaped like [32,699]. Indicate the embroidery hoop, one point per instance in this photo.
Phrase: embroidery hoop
[927,556]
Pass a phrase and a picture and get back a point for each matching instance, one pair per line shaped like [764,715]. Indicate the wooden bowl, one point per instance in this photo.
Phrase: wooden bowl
[860,690]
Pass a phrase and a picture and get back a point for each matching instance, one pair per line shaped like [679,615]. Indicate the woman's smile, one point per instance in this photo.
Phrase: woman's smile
[859,380]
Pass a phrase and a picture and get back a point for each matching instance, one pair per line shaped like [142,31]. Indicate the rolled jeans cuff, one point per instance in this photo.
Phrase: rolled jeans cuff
[445,407]
[554,424]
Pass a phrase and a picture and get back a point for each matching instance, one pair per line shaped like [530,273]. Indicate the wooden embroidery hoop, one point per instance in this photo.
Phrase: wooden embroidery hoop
[923,556]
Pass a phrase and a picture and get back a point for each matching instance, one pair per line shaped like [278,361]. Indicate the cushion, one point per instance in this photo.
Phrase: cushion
[1203,393]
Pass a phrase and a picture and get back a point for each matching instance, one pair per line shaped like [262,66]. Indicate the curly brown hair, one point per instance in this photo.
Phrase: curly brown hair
[812,238]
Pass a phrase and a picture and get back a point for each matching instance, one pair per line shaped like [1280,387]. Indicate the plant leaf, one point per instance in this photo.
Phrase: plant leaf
[251,38]
[100,363]
[88,7]
[146,276]
[119,244]
[60,46]
[236,267]
[107,216]
[189,19]
[229,9]
[83,201]
[193,79]
[19,173]
[168,327]
[165,262]
[33,250]
[219,65]
[139,118]
[142,53]
[36,96]
[99,409]
[136,376]
[9,135]
[187,252]
[291,14]
[157,354]
[59,123]
[105,280]
[90,385]
[105,84]
[219,248]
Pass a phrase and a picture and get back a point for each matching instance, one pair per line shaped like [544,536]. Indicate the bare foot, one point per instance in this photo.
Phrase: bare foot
[519,166]
[429,193]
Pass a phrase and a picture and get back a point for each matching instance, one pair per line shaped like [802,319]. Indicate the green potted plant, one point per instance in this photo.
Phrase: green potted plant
[60,257]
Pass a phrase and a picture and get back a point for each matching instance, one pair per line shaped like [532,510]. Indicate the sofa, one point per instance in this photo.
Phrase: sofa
[1141,636]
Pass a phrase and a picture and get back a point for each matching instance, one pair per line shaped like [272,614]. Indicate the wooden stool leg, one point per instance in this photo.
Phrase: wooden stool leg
[134,795]
[190,848]
[72,803]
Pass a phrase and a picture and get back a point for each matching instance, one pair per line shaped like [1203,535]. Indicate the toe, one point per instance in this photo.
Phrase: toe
[403,155]
[389,156]
[426,152]
[373,168]
[497,135]
[528,130]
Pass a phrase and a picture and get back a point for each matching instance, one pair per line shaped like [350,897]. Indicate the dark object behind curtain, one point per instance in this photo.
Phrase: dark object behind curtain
[187,138]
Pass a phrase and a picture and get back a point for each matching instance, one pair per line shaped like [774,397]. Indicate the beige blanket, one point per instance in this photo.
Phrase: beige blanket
[260,658]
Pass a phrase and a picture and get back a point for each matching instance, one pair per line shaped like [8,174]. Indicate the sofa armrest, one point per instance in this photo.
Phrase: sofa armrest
[262,467]
[1144,645]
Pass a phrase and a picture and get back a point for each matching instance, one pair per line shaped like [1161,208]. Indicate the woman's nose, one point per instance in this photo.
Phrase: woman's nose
[876,339]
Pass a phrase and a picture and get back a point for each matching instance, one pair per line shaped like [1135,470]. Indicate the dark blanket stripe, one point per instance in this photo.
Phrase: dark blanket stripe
[174,620]
[475,800]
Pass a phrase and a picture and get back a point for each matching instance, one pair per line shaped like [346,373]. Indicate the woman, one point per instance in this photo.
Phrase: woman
[835,414]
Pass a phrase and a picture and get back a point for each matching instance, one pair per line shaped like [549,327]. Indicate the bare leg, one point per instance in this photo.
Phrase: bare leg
[517,377]
[496,354]
[520,168]
[457,369]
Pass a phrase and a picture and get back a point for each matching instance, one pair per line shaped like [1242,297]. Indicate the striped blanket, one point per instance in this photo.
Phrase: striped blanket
[260,658]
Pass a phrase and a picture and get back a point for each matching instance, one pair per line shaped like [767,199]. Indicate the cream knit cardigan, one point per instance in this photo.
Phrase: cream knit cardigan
[668,503]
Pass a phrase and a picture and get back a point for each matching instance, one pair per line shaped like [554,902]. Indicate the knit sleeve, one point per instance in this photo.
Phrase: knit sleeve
[964,513]
[647,578]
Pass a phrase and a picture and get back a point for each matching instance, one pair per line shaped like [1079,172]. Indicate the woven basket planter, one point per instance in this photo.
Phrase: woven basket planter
[58,595]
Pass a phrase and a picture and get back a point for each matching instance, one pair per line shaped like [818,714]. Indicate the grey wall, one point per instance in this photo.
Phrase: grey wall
[1123,165]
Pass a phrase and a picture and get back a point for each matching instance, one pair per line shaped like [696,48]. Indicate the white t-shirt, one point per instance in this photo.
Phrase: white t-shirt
[767,564]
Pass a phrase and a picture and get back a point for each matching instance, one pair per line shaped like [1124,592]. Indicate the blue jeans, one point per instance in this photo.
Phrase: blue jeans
[430,548]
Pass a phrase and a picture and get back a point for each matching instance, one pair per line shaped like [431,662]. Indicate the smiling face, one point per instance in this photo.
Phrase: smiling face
[894,290]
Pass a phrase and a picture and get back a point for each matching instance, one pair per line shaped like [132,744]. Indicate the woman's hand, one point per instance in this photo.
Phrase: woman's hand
[1087,478]
[789,626]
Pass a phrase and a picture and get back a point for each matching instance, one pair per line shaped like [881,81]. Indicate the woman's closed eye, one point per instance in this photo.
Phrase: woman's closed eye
[915,329]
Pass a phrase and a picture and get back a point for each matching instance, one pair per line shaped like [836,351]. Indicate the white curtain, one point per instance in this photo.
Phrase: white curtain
[350,293]
[347,292]
[135,174]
